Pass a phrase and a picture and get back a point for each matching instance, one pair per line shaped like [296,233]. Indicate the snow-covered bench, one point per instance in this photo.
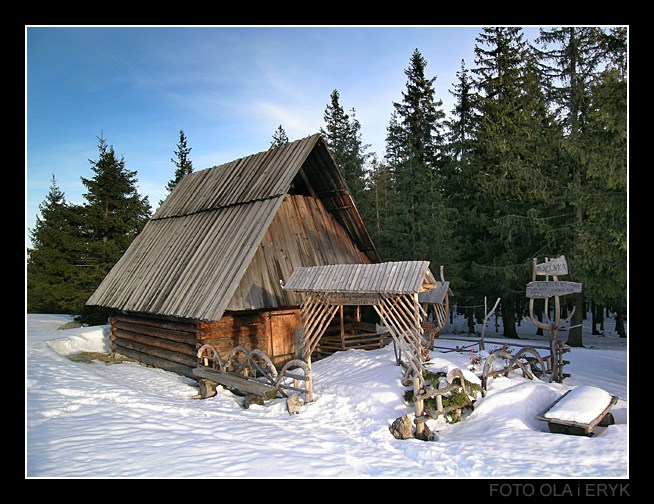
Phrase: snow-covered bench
[579,411]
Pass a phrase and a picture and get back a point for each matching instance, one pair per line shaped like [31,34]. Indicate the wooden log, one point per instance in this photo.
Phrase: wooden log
[154,361]
[156,332]
[161,353]
[207,388]
[419,403]
[186,326]
[236,382]
[156,342]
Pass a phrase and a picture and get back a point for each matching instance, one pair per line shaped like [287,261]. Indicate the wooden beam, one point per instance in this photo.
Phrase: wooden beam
[236,382]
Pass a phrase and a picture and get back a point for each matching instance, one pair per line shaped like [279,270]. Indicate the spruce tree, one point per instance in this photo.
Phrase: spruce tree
[182,162]
[422,222]
[342,133]
[381,204]
[53,260]
[459,184]
[279,137]
[574,63]
[512,170]
[114,214]
[601,252]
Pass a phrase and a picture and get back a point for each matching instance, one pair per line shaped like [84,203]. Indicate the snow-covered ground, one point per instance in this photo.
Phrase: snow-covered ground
[95,420]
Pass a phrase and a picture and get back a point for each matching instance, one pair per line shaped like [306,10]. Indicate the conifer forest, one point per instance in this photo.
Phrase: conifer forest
[531,162]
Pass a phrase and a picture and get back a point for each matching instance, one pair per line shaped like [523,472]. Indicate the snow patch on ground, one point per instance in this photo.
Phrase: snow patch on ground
[127,420]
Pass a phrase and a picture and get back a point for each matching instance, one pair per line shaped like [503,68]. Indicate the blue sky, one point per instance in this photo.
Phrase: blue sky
[228,88]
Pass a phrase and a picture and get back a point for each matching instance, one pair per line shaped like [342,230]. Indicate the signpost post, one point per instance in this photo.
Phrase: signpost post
[537,289]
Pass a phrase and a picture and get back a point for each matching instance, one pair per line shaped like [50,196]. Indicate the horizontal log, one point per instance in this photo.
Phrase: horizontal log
[230,321]
[156,352]
[156,342]
[226,334]
[157,332]
[236,382]
[184,326]
[151,360]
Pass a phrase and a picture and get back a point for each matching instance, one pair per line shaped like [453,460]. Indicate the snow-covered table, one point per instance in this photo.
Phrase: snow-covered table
[579,411]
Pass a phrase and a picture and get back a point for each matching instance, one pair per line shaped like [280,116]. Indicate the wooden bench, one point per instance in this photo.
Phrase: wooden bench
[235,382]
[603,418]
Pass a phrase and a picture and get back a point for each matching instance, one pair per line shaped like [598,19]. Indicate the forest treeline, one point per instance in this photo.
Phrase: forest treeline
[531,162]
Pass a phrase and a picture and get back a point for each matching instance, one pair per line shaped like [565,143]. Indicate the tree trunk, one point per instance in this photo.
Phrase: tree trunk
[597,316]
[575,337]
[508,319]
[471,321]
[619,322]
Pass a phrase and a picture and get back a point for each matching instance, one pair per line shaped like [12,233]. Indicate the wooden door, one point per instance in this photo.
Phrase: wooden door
[282,331]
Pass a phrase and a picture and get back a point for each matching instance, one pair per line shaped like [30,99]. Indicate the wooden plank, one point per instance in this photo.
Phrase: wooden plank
[236,382]
[553,267]
[436,295]
[543,290]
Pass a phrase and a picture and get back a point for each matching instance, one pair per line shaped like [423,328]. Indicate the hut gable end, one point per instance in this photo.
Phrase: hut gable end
[227,235]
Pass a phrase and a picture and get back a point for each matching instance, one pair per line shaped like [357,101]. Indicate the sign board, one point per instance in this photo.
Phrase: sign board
[555,267]
[542,290]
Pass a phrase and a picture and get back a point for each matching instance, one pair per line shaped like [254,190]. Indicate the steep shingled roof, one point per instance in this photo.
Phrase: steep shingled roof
[192,254]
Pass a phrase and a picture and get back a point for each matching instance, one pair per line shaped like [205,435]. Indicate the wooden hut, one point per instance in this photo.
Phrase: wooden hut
[209,266]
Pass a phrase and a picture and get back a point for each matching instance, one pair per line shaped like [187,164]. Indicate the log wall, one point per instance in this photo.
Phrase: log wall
[272,332]
[164,343]
[172,344]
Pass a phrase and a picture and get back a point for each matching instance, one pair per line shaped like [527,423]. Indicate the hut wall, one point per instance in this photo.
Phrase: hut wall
[165,343]
[172,344]
[272,332]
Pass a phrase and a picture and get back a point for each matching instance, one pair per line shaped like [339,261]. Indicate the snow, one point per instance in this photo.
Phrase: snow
[98,420]
[582,405]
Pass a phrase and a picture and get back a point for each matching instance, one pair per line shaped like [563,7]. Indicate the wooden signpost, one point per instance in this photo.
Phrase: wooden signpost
[537,289]
[544,290]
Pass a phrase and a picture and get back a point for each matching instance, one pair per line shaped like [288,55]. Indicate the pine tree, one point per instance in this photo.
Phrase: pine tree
[114,214]
[183,164]
[343,136]
[422,222]
[52,265]
[279,137]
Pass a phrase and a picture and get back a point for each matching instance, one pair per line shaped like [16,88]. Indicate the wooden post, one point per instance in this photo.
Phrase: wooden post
[342,327]
[420,407]
[308,396]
